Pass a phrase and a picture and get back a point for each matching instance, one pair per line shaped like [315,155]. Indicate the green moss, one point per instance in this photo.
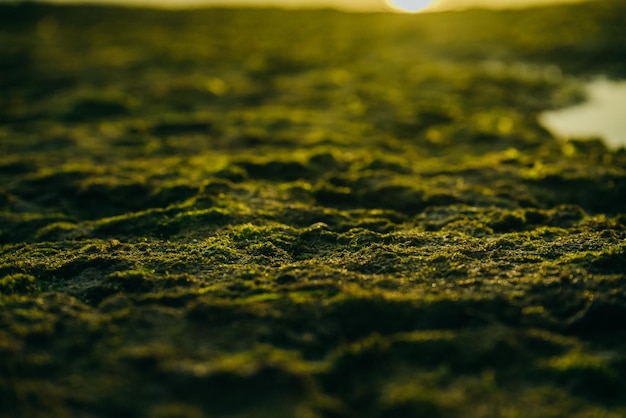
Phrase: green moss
[95,107]
[235,213]
[18,284]
[55,231]
[586,373]
[612,260]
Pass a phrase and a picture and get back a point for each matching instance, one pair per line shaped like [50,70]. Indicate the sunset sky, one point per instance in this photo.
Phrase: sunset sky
[355,5]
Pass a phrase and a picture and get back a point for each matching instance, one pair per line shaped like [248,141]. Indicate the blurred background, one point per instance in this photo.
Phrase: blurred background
[350,5]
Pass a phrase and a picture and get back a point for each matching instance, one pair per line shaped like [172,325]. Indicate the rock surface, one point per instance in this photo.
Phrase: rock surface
[253,213]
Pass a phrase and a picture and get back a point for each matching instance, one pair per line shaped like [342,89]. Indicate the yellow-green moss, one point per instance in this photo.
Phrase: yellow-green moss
[252,213]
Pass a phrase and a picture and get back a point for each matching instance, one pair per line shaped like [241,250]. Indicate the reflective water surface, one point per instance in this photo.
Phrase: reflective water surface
[603,114]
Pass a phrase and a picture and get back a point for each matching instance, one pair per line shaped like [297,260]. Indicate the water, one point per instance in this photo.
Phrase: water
[602,115]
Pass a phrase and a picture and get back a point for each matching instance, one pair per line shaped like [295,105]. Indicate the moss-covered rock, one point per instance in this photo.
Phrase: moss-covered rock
[253,213]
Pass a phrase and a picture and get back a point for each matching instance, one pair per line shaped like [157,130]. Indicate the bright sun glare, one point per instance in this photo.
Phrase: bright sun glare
[409,5]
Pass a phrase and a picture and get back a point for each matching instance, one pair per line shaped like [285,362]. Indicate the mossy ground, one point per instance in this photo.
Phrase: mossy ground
[254,213]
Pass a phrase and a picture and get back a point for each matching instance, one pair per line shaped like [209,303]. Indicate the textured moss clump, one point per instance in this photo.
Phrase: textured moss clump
[254,213]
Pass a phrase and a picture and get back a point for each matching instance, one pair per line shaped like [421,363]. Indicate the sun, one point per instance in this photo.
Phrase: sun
[410,6]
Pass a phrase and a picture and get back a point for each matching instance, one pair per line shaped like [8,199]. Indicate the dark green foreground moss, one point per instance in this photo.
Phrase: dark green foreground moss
[255,213]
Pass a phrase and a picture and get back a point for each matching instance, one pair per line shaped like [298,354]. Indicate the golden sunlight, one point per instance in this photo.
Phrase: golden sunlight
[410,6]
